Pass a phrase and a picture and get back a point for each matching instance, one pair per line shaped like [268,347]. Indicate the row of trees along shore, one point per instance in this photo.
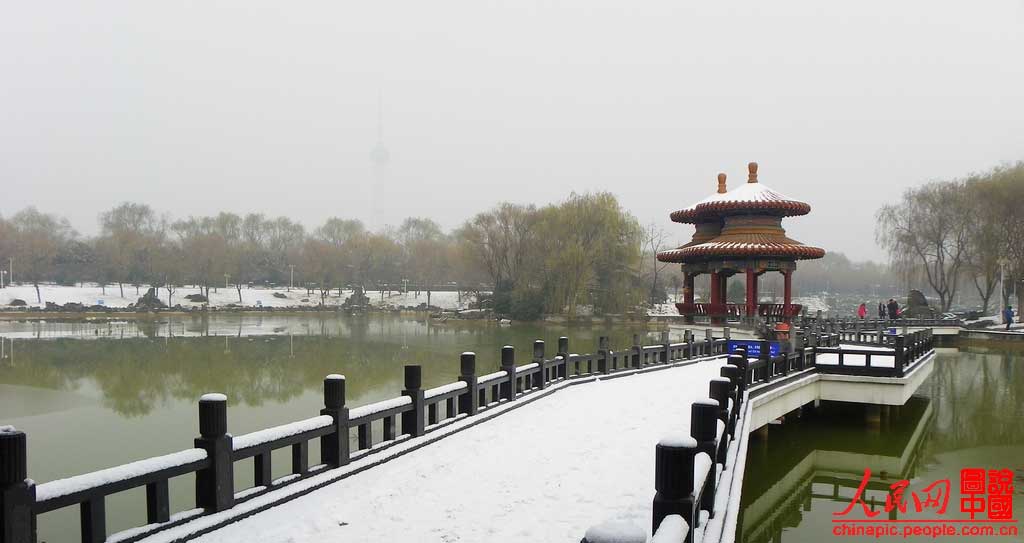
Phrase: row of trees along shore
[961,233]
[584,251]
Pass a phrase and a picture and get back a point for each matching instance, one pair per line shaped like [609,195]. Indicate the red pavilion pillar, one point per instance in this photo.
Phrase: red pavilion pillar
[787,296]
[717,296]
[688,281]
[751,294]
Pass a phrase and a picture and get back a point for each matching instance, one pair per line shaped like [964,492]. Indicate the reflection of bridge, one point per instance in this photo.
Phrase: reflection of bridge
[808,468]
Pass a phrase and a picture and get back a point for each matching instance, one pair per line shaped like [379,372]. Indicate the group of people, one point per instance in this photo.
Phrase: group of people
[889,310]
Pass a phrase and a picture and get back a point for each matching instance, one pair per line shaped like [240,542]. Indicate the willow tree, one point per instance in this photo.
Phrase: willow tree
[590,248]
[929,229]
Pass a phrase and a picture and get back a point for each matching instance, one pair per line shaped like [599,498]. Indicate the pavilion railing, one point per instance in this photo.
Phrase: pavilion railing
[214,454]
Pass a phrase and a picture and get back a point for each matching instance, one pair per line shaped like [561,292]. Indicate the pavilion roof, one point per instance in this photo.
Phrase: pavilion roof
[749,197]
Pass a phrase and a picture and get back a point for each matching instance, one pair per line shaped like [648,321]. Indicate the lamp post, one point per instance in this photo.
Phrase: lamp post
[291,276]
[226,277]
[2,274]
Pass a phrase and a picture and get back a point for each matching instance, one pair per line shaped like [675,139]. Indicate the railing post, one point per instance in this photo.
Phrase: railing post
[704,428]
[603,355]
[899,354]
[726,333]
[507,390]
[666,348]
[735,375]
[468,404]
[709,340]
[413,422]
[563,351]
[636,363]
[721,390]
[215,485]
[688,339]
[538,357]
[334,448]
[673,481]
[17,491]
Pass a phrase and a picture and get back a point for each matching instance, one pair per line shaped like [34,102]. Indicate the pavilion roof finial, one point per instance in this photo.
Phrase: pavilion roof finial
[752,172]
[721,183]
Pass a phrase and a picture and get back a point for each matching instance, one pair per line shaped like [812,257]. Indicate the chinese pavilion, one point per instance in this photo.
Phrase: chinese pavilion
[739,231]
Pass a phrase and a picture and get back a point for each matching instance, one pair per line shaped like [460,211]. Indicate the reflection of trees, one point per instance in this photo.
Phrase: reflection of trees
[978,399]
[136,375]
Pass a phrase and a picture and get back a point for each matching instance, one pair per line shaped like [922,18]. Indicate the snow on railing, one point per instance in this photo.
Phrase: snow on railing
[527,367]
[491,377]
[377,407]
[260,437]
[673,529]
[445,389]
[78,483]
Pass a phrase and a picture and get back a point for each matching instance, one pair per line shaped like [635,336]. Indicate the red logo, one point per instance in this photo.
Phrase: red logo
[986,496]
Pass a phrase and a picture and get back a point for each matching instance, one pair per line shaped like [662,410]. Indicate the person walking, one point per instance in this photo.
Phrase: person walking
[893,309]
[862,311]
[1008,316]
[881,310]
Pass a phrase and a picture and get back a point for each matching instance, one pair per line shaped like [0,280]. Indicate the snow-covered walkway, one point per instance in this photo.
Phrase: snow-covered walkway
[546,471]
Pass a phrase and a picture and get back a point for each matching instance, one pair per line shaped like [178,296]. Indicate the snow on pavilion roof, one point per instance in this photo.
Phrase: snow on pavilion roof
[751,196]
[749,246]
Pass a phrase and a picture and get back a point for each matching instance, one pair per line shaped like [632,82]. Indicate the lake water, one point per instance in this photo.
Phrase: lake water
[92,395]
[968,414]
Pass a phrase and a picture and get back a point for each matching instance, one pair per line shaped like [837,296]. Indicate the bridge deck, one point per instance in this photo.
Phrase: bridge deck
[545,471]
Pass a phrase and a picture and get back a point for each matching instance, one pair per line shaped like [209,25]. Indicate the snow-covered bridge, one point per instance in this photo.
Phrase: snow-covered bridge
[522,453]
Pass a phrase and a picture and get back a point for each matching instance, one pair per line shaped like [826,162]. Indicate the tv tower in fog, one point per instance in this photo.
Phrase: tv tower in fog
[380,157]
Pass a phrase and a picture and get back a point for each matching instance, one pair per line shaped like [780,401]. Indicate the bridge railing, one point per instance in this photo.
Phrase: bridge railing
[836,324]
[898,355]
[690,468]
[213,457]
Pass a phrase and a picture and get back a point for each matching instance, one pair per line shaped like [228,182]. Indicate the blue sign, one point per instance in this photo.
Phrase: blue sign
[754,347]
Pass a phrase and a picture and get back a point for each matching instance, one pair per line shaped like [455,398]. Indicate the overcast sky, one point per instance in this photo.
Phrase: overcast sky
[197,107]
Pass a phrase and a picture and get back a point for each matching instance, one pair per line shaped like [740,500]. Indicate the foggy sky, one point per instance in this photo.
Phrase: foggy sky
[272,106]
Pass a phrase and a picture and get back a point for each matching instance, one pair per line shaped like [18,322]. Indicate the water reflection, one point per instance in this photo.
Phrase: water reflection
[141,372]
[968,414]
[89,399]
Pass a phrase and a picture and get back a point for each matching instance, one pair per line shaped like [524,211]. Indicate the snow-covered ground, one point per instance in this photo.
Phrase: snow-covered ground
[91,294]
[546,471]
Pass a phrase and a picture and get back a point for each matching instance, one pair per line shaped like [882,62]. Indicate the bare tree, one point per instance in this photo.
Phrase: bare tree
[38,239]
[652,241]
[930,226]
